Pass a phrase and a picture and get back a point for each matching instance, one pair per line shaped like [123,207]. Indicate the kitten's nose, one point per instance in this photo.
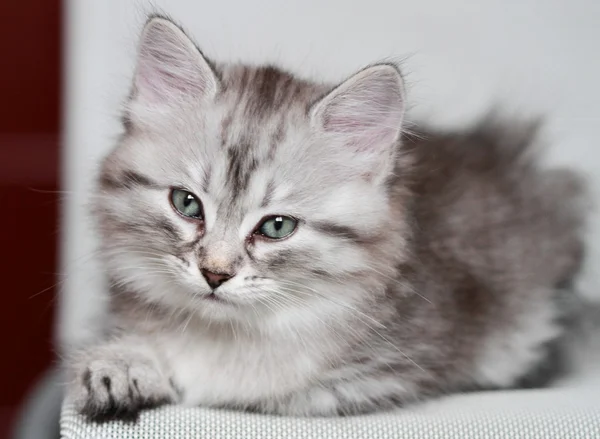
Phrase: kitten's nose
[215,279]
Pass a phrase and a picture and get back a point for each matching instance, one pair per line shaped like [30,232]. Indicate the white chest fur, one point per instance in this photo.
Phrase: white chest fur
[244,368]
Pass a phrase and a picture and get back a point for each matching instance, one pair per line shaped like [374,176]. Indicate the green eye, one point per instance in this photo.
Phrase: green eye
[277,227]
[186,203]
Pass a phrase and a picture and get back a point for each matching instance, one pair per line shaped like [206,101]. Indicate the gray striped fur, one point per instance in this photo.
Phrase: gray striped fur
[422,264]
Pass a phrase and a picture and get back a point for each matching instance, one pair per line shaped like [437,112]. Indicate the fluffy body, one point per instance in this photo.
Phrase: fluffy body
[422,264]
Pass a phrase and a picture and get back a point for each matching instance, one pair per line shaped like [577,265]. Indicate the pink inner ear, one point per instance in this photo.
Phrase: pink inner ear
[342,124]
[159,85]
[170,67]
[365,124]
[368,112]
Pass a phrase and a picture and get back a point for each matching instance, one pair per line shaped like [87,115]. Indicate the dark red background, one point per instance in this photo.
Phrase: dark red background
[30,92]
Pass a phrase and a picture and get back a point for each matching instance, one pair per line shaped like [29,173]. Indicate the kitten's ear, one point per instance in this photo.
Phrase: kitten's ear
[365,113]
[170,68]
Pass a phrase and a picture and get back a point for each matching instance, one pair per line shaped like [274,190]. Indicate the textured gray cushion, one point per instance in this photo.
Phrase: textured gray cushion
[572,412]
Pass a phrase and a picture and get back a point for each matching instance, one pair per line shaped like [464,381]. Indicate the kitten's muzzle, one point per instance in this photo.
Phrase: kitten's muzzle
[214,280]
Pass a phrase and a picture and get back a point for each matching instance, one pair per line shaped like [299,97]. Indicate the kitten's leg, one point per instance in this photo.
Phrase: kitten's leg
[117,379]
[362,395]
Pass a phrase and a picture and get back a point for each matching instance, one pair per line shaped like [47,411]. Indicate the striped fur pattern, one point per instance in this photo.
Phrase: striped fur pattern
[421,265]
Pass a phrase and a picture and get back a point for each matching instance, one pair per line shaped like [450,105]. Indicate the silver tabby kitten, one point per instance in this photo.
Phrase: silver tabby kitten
[280,245]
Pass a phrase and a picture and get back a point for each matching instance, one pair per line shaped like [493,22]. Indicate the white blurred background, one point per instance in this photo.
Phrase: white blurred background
[460,57]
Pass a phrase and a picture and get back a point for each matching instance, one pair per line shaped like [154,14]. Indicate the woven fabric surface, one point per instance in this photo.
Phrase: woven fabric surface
[555,414]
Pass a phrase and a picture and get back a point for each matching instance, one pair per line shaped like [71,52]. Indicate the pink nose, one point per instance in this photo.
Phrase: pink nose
[215,280]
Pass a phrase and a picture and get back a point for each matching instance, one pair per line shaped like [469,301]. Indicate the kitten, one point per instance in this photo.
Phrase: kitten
[280,245]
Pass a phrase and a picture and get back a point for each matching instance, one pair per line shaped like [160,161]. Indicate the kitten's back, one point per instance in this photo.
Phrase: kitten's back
[482,198]
[495,237]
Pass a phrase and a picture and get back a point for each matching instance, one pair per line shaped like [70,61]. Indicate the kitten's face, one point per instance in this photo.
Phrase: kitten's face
[246,194]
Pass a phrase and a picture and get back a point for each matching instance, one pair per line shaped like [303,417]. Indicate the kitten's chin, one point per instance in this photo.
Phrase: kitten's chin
[218,307]
[212,299]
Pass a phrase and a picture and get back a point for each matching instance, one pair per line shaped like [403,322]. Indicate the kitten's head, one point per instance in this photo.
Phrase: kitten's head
[246,193]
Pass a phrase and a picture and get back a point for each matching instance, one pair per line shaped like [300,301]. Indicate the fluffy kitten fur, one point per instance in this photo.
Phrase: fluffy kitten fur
[421,265]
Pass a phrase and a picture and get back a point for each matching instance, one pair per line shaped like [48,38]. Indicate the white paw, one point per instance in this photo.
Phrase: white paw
[116,383]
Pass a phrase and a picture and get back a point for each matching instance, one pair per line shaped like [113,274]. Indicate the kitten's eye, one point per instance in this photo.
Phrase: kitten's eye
[277,227]
[186,203]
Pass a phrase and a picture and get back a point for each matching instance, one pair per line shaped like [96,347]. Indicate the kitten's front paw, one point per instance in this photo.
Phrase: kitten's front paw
[117,383]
